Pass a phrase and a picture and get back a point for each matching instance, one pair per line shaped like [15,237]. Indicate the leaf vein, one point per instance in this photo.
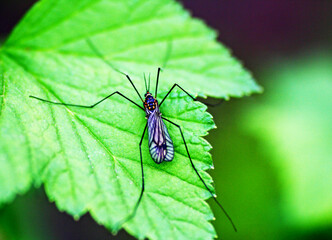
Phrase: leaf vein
[135,182]
[68,17]
[100,142]
[100,188]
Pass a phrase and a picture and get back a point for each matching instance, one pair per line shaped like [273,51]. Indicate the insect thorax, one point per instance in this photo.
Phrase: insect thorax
[150,103]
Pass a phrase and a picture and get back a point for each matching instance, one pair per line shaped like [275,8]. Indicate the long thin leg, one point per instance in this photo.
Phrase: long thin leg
[87,106]
[155,95]
[168,53]
[220,101]
[177,85]
[98,53]
[142,189]
[134,87]
[192,164]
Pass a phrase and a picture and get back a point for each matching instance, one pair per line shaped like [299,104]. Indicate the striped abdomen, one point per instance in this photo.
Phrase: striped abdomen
[160,143]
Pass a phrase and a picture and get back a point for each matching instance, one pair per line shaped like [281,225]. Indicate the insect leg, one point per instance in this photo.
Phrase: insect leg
[142,189]
[100,55]
[214,104]
[87,106]
[168,53]
[166,58]
[192,164]
[177,85]
[155,95]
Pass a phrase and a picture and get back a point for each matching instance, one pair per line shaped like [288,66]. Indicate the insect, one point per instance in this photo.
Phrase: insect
[160,143]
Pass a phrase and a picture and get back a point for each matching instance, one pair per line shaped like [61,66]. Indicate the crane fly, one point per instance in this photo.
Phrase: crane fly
[160,143]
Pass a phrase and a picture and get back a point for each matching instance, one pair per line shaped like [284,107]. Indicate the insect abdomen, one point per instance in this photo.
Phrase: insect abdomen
[160,143]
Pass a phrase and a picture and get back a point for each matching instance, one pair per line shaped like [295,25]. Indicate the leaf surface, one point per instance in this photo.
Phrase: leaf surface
[88,159]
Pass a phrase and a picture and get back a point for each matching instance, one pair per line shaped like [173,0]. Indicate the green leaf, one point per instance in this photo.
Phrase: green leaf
[88,159]
[294,123]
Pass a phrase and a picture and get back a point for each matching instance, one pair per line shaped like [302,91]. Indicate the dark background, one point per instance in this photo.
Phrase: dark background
[257,32]
[253,29]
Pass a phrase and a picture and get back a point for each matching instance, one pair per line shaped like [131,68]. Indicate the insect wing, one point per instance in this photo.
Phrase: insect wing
[160,143]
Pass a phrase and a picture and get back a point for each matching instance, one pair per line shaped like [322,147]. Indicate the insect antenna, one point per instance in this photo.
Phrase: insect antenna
[146,88]
[101,56]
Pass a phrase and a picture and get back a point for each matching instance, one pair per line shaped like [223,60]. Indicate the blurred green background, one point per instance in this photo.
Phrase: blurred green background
[272,152]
